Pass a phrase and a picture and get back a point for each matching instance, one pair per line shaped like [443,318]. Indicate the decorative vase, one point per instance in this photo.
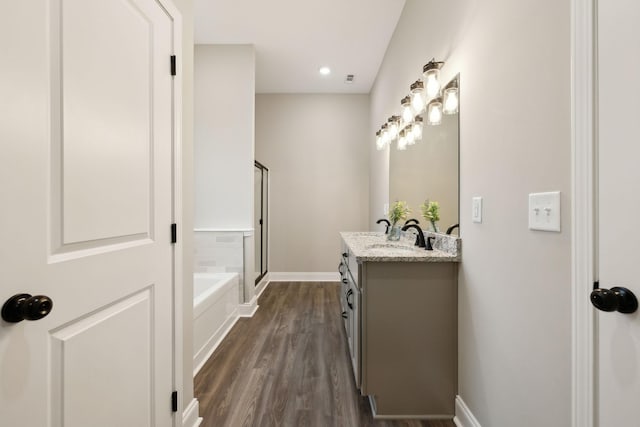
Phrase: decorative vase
[394,232]
[434,226]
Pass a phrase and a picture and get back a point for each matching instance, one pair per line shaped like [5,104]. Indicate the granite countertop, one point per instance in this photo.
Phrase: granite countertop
[374,247]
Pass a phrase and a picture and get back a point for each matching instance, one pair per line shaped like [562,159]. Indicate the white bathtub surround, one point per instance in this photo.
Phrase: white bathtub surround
[227,250]
[464,417]
[216,299]
[219,251]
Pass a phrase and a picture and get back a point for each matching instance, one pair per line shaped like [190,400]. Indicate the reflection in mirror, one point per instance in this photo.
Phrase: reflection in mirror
[428,170]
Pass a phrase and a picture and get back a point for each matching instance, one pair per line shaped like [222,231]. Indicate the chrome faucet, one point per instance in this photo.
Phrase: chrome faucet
[420,238]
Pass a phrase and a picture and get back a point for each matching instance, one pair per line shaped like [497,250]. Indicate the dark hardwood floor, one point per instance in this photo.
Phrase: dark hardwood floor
[288,365]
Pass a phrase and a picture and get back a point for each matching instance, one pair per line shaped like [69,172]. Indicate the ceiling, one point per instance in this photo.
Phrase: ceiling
[294,38]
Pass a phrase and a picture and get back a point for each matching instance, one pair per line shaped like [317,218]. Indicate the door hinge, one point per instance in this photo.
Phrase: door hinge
[173,65]
[174,401]
[174,233]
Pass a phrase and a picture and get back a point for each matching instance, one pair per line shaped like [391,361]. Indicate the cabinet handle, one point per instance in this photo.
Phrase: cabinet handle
[344,254]
[340,268]
[344,280]
[349,303]
[345,315]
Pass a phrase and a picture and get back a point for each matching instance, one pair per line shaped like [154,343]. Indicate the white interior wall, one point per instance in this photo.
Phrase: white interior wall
[224,78]
[315,147]
[514,284]
[224,133]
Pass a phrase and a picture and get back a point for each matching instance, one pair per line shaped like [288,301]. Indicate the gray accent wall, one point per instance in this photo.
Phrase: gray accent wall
[316,149]
[515,115]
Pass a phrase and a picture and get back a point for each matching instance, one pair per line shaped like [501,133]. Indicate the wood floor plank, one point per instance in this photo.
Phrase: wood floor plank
[288,365]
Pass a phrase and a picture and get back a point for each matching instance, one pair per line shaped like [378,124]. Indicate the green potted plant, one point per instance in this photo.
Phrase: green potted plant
[398,212]
[431,212]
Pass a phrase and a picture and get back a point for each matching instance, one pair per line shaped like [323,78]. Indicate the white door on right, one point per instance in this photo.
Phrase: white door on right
[618,251]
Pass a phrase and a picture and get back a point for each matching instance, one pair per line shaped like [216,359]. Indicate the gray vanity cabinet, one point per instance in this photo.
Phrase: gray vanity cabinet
[350,300]
[403,335]
[409,338]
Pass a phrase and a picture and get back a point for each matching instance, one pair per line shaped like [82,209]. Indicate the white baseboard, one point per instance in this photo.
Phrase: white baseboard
[376,416]
[260,287]
[464,417]
[304,277]
[191,416]
[201,357]
[248,309]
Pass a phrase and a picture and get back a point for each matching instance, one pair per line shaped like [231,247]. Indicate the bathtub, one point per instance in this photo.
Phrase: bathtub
[216,297]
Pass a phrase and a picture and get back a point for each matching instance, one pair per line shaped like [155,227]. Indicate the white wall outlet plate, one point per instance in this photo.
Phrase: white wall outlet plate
[544,211]
[476,209]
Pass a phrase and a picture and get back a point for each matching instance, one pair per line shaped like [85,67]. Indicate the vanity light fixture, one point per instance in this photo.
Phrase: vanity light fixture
[417,97]
[407,111]
[434,111]
[451,101]
[408,128]
[431,73]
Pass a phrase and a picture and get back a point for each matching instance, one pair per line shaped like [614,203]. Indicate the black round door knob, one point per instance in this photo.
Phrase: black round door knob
[26,307]
[615,299]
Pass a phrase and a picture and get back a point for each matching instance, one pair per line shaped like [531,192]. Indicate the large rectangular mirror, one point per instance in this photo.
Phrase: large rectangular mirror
[429,169]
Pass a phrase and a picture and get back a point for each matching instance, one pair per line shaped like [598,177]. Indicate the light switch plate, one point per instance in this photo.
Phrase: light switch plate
[476,209]
[544,211]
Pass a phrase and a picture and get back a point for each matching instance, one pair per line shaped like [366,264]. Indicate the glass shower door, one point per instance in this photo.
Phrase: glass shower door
[261,198]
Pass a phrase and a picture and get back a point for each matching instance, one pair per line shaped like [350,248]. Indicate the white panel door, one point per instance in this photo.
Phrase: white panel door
[86,122]
[618,348]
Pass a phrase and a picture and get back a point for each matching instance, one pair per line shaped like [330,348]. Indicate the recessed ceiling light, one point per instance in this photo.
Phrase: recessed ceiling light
[325,71]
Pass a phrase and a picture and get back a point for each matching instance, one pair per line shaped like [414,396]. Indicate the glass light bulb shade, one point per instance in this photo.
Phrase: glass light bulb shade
[432,82]
[384,137]
[417,102]
[407,114]
[434,113]
[410,137]
[416,130]
[379,142]
[450,101]
[402,143]
[393,131]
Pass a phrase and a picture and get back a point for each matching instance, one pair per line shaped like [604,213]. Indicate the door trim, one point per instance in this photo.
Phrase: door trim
[177,217]
[583,136]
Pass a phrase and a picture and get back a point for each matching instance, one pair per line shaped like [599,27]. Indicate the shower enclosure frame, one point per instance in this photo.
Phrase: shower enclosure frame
[263,231]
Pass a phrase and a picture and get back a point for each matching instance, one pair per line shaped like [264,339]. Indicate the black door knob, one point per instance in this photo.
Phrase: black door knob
[615,299]
[26,307]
